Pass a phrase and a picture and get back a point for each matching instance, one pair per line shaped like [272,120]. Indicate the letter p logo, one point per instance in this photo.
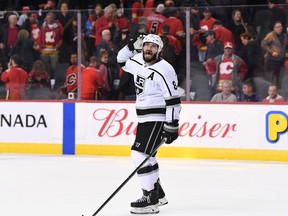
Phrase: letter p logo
[276,125]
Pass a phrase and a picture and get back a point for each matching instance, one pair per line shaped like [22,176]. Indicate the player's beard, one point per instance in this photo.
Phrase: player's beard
[151,58]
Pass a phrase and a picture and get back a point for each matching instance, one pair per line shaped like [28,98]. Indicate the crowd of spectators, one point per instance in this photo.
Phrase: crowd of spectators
[235,51]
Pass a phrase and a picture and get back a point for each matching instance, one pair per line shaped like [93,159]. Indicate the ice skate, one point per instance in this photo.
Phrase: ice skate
[161,194]
[147,204]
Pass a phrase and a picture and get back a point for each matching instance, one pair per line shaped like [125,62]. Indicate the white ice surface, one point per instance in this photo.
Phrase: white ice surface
[74,185]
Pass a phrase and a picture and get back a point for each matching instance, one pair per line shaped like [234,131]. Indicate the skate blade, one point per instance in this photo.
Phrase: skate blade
[162,202]
[146,210]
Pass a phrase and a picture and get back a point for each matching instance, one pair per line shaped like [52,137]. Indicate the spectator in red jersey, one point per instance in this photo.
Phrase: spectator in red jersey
[155,20]
[71,76]
[273,95]
[49,5]
[32,26]
[205,24]
[123,22]
[8,37]
[137,11]
[223,34]
[90,30]
[149,7]
[49,41]
[92,81]
[107,21]
[176,26]
[227,66]
[16,79]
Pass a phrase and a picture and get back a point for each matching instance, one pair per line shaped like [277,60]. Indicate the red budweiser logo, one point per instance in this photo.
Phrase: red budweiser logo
[114,123]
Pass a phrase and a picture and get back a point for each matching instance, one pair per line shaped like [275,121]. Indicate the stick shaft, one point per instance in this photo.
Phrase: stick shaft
[128,178]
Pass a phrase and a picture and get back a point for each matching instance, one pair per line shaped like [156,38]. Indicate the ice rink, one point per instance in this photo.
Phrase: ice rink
[33,185]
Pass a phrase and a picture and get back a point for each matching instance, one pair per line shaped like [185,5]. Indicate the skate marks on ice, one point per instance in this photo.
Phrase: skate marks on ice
[75,186]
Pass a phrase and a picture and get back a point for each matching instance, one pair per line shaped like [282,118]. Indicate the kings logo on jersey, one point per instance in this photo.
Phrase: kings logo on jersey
[139,84]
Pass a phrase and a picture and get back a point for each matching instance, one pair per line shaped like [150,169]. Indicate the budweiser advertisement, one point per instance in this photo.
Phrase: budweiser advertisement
[201,125]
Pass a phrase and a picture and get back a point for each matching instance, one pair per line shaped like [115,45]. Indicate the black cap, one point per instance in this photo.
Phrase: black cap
[210,32]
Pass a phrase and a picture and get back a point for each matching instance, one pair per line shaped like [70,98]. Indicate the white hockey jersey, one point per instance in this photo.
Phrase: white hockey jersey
[156,87]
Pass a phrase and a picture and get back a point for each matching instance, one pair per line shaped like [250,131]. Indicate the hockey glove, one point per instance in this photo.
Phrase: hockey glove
[135,43]
[170,132]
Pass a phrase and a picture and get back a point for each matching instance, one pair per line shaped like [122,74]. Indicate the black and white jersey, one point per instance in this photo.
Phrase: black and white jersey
[156,87]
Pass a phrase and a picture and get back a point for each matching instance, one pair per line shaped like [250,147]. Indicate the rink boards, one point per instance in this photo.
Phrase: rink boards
[210,131]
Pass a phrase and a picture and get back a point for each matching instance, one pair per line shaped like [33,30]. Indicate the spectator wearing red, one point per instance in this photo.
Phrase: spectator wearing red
[149,7]
[205,24]
[8,37]
[222,34]
[92,81]
[227,66]
[176,26]
[32,26]
[123,22]
[107,21]
[137,11]
[273,96]
[50,41]
[49,5]
[16,79]
[155,20]
[71,76]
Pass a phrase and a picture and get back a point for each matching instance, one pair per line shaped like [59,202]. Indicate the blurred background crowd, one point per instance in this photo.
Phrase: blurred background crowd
[237,49]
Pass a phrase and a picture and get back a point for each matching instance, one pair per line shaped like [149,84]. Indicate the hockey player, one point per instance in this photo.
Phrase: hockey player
[158,109]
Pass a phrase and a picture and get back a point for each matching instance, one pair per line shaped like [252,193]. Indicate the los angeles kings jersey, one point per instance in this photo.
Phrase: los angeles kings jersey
[156,87]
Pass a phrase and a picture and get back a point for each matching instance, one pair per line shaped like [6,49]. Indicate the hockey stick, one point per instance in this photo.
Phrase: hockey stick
[129,177]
